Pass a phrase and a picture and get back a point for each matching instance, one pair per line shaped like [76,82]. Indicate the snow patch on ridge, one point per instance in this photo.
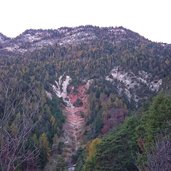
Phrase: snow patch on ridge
[31,38]
[117,31]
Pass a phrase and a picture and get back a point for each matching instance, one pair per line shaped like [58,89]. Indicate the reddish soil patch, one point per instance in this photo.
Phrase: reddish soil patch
[75,121]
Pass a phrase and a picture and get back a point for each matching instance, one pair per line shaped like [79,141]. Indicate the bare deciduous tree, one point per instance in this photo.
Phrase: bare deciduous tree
[159,159]
[18,118]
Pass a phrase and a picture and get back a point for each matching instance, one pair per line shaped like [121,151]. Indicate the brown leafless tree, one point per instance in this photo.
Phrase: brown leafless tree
[18,118]
[159,159]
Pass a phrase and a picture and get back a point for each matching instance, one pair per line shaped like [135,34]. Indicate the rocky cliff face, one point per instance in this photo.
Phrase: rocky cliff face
[130,85]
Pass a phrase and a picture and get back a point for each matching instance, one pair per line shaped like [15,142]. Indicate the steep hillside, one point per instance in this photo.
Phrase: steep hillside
[142,142]
[64,89]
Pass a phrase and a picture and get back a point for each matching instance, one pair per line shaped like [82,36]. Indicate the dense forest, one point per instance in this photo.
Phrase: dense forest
[119,88]
[142,142]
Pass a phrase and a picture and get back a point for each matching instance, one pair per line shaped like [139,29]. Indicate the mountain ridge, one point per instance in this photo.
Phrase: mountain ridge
[33,39]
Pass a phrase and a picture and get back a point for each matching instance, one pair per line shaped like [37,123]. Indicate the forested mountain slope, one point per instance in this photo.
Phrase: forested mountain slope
[65,92]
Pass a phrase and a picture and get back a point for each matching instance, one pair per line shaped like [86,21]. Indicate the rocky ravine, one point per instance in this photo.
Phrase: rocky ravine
[75,111]
[126,83]
[75,122]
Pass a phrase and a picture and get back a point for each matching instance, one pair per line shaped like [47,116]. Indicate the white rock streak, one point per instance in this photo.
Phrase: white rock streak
[60,89]
[128,81]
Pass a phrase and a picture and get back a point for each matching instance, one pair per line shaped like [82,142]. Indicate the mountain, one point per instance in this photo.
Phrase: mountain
[66,93]
[37,39]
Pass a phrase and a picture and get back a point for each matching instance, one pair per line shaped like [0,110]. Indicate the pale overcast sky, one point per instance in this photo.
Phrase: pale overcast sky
[150,18]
